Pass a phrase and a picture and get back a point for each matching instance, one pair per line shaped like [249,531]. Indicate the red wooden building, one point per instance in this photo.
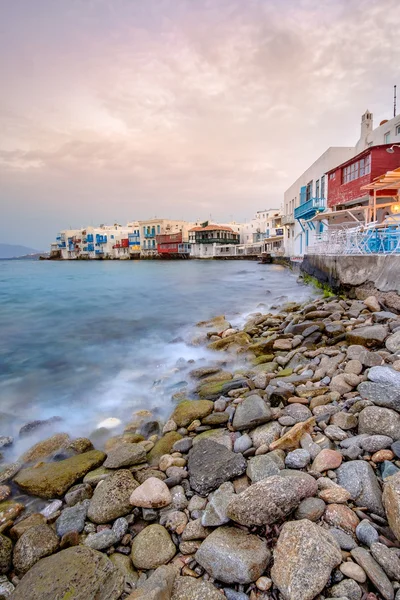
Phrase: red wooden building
[172,245]
[346,180]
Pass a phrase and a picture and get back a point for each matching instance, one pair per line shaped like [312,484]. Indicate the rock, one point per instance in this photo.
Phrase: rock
[380,394]
[385,375]
[36,543]
[374,420]
[6,588]
[233,556]
[216,418]
[76,573]
[194,530]
[347,589]
[51,480]
[340,385]
[188,588]
[51,509]
[124,565]
[125,455]
[93,477]
[233,595]
[264,465]
[374,443]
[251,412]
[6,550]
[158,586]
[242,443]
[210,464]
[326,460]
[310,508]
[297,459]
[370,336]
[374,572]
[395,447]
[265,434]
[344,420]
[372,304]
[345,541]
[183,445]
[391,502]
[359,479]
[215,512]
[78,493]
[178,498]
[72,518]
[163,446]
[335,495]
[189,410]
[152,547]
[270,499]
[383,456]
[22,526]
[354,366]
[340,515]
[304,557]
[388,559]
[298,412]
[393,343]
[111,498]
[107,537]
[6,441]
[291,439]
[38,424]
[175,521]
[388,469]
[366,533]
[153,493]
[46,448]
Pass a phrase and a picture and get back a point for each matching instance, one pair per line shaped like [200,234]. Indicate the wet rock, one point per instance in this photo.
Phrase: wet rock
[359,479]
[22,526]
[152,547]
[270,499]
[251,412]
[189,410]
[366,533]
[304,557]
[94,477]
[188,588]
[125,455]
[374,572]
[107,537]
[51,480]
[78,493]
[6,440]
[36,543]
[153,493]
[72,518]
[183,445]
[158,586]
[391,501]
[311,509]
[111,498]
[124,565]
[388,559]
[210,464]
[77,573]
[215,512]
[38,424]
[6,550]
[233,556]
[264,465]
[46,448]
[163,446]
[374,420]
[326,460]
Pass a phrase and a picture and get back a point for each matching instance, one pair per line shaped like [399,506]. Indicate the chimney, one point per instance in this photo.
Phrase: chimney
[366,127]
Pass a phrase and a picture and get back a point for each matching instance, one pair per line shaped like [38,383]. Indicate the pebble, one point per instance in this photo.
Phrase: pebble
[298,459]
[353,571]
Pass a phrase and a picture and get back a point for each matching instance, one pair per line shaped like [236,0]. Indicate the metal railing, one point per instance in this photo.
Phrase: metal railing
[314,204]
[357,241]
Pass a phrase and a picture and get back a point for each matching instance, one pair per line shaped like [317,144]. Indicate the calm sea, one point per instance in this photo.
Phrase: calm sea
[86,341]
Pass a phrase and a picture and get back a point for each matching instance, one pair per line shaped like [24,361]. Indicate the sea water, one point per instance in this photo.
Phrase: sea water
[93,341]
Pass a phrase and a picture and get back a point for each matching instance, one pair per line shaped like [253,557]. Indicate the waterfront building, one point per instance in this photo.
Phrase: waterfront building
[204,239]
[150,229]
[134,239]
[265,224]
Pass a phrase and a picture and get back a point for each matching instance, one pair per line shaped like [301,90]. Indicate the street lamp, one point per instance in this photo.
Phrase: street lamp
[391,149]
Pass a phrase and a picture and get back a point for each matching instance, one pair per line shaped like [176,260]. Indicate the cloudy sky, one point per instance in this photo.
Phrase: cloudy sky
[113,110]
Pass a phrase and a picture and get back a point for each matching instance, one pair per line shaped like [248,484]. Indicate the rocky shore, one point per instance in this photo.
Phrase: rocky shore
[279,480]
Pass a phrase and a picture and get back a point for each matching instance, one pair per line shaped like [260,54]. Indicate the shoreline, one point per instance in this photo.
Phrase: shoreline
[223,500]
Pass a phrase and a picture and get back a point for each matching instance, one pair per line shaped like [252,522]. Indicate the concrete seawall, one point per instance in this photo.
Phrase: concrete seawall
[359,276]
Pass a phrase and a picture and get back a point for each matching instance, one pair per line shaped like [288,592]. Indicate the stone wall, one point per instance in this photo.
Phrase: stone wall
[359,276]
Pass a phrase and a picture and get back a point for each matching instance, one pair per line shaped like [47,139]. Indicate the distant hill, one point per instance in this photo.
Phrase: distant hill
[13,251]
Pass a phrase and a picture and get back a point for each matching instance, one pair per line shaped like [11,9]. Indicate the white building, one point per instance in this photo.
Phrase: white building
[151,228]
[265,224]
[105,241]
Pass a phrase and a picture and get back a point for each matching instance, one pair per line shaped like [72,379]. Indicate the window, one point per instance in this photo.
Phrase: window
[357,169]
[158,229]
[386,138]
[112,237]
[331,175]
[317,188]
[323,186]
[397,129]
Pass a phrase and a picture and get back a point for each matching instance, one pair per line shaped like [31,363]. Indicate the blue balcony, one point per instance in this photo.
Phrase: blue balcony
[100,239]
[101,251]
[150,234]
[62,245]
[308,210]
[90,247]
[89,237]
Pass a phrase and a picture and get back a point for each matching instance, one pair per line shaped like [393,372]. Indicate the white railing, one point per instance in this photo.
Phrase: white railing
[357,241]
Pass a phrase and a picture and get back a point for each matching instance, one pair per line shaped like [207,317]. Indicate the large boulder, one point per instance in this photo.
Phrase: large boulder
[111,498]
[45,448]
[76,573]
[189,410]
[358,478]
[251,412]
[375,420]
[233,556]
[36,543]
[152,547]
[210,464]
[391,502]
[304,557]
[271,499]
[52,480]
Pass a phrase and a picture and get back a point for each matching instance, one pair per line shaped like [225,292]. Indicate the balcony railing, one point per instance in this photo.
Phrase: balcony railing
[310,208]
[215,241]
[288,220]
[356,241]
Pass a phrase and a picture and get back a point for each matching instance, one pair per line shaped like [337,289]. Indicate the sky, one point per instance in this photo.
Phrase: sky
[117,110]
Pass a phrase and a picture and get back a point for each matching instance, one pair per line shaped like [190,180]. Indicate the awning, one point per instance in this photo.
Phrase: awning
[389,181]
[349,216]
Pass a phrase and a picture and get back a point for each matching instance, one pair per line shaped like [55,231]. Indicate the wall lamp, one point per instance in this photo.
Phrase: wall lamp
[391,149]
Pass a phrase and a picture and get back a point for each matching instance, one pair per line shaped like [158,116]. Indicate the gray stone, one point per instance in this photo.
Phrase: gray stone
[233,556]
[264,465]
[359,479]
[374,572]
[194,530]
[183,445]
[107,537]
[375,420]
[210,464]
[348,588]
[242,443]
[385,375]
[335,433]
[393,343]
[366,533]
[111,497]
[298,412]
[369,336]
[345,541]
[265,434]
[311,509]
[188,588]
[304,557]
[298,459]
[251,412]
[152,547]
[388,559]
[380,394]
[125,455]
[57,576]
[72,518]
[234,595]
[178,498]
[391,501]
[6,588]
[78,493]
[6,549]
[271,499]
[36,543]
[373,443]
[388,469]
[395,447]
[158,586]
[215,512]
